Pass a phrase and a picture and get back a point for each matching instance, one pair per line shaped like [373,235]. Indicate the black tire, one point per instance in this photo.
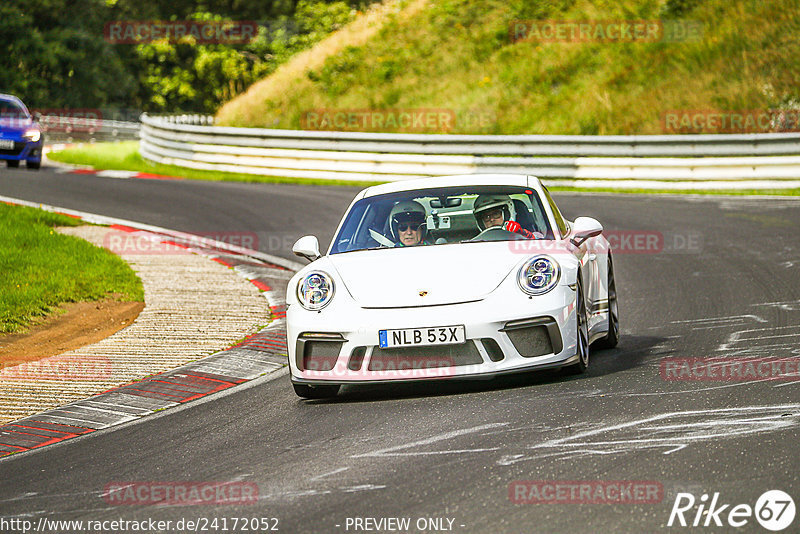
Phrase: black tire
[612,338]
[13,163]
[583,333]
[33,164]
[315,392]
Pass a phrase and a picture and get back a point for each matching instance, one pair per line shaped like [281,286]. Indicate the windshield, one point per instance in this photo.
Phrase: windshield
[9,108]
[441,216]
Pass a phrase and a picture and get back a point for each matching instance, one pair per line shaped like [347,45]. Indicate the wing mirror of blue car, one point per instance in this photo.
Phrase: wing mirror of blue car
[307,247]
[583,228]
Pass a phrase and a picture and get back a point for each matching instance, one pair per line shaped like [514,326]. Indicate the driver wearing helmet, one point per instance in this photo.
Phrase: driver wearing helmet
[497,210]
[407,223]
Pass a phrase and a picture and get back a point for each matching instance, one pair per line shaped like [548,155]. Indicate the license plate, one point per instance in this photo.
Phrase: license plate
[6,143]
[416,337]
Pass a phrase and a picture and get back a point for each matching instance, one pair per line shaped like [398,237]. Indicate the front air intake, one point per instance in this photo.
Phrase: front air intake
[534,337]
[318,351]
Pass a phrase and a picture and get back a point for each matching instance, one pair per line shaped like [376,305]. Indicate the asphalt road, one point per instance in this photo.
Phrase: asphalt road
[723,283]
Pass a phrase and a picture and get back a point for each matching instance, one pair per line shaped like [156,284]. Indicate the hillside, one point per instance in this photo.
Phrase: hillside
[460,57]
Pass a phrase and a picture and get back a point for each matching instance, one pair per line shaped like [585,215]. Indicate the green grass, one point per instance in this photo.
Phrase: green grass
[42,269]
[125,156]
[459,55]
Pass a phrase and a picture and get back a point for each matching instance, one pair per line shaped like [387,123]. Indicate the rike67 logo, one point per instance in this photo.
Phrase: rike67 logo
[774,510]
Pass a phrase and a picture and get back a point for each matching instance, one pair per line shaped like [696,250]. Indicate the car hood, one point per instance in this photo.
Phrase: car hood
[14,127]
[446,274]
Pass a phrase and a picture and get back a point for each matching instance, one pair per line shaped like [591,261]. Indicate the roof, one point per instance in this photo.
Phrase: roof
[13,98]
[447,181]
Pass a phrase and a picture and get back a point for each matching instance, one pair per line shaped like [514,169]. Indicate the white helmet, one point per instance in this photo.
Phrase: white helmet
[406,212]
[492,201]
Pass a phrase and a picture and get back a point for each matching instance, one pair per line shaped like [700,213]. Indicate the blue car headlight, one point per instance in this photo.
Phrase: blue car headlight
[32,135]
[315,290]
[538,275]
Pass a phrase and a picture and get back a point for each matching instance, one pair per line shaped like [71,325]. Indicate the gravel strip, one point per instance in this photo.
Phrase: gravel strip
[193,307]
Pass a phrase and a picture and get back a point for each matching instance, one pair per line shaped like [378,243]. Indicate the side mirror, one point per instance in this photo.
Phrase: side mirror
[37,117]
[583,229]
[307,247]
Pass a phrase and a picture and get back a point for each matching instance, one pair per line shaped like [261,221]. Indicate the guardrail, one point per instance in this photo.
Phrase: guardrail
[191,141]
[68,129]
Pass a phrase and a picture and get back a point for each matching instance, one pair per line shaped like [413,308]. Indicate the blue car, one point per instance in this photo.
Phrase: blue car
[20,137]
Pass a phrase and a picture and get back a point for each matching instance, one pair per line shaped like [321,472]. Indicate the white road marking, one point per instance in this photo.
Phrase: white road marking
[341,469]
[362,487]
[676,449]
[674,430]
[117,174]
[435,439]
[736,337]
[722,319]
[720,322]
[786,305]
[683,391]
[789,383]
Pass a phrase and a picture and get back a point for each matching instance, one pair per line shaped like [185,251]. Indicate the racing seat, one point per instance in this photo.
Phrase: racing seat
[524,217]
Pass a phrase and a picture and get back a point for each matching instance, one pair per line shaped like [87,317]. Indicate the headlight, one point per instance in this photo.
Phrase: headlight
[315,290]
[538,275]
[32,135]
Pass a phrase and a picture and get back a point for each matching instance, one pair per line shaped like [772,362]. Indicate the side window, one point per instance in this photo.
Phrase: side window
[562,226]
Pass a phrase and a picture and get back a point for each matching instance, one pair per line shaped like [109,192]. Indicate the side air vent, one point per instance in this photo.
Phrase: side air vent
[356,358]
[493,349]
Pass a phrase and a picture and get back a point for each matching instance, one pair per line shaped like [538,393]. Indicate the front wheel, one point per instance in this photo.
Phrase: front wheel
[315,392]
[33,164]
[612,337]
[13,163]
[582,330]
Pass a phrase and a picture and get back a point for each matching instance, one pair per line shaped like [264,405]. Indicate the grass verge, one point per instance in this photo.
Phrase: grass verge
[42,268]
[467,57]
[125,156]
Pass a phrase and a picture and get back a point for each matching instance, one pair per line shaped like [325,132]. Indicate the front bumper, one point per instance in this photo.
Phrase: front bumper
[501,337]
[23,150]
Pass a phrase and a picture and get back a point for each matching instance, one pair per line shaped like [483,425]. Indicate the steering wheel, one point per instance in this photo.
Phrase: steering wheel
[497,233]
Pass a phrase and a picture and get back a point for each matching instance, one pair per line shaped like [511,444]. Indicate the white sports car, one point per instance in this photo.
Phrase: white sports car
[449,277]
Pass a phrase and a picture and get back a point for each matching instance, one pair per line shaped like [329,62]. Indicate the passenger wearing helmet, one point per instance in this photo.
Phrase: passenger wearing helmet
[497,210]
[407,223]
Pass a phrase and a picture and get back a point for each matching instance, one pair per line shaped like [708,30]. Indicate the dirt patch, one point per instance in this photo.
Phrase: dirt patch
[71,327]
